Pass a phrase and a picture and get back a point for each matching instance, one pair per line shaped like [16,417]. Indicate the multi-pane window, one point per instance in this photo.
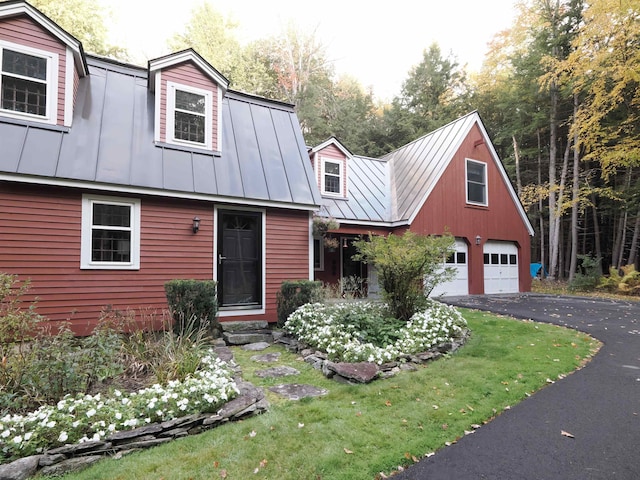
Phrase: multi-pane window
[110,233]
[27,82]
[332,177]
[476,182]
[189,115]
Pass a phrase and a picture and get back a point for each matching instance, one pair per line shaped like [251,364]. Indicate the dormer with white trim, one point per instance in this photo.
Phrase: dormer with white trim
[330,162]
[188,101]
[40,67]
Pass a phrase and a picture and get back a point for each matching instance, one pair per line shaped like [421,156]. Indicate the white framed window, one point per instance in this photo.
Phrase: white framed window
[189,115]
[110,233]
[476,182]
[318,254]
[28,83]
[332,177]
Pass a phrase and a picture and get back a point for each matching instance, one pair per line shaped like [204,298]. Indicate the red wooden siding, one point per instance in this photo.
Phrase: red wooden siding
[40,240]
[23,31]
[287,253]
[446,209]
[188,74]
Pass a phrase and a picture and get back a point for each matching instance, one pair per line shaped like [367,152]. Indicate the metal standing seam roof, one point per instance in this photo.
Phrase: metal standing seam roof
[391,190]
[110,146]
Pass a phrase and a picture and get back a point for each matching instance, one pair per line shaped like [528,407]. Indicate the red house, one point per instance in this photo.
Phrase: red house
[115,179]
[450,180]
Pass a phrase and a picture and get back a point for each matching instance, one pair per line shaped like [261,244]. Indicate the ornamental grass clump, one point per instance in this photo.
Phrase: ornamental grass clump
[93,417]
[364,331]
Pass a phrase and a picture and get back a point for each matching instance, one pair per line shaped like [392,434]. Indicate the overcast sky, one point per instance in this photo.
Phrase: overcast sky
[375,42]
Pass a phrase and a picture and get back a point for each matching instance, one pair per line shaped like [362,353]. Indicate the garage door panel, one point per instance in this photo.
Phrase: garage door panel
[459,261]
[501,267]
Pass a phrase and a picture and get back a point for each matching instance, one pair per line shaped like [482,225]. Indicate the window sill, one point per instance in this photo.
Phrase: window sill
[109,267]
[33,123]
[188,148]
[477,206]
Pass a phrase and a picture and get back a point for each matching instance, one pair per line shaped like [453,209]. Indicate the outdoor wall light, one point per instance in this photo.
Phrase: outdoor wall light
[478,238]
[196,224]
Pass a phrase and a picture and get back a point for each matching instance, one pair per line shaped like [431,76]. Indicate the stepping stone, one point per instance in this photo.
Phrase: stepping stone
[294,391]
[256,347]
[266,357]
[283,371]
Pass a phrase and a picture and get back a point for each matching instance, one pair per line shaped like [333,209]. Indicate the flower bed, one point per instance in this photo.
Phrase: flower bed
[337,329]
[90,417]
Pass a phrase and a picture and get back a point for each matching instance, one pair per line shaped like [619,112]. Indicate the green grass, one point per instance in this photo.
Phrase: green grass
[355,432]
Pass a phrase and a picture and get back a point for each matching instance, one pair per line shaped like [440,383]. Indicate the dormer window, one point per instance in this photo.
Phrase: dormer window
[189,115]
[332,177]
[28,83]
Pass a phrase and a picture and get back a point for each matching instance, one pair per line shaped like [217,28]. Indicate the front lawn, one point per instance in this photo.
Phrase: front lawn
[356,432]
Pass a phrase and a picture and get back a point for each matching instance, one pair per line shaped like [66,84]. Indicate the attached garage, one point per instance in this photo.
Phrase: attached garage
[459,285]
[500,267]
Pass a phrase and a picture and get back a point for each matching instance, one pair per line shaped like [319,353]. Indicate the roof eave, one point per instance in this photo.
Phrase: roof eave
[13,8]
[157,64]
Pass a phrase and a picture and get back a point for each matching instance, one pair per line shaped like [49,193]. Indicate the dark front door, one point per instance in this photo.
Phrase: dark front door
[239,259]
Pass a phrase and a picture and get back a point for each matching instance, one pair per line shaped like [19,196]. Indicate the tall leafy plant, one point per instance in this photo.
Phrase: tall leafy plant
[408,267]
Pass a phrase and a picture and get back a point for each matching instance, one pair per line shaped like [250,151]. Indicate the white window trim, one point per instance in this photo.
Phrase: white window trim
[324,161]
[51,115]
[87,223]
[171,106]
[486,182]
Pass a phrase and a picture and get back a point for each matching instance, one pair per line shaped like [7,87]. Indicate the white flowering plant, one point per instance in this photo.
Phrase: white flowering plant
[330,328]
[84,418]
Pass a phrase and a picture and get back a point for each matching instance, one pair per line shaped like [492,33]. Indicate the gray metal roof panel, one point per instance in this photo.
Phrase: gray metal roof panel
[204,174]
[419,164]
[111,141]
[368,198]
[40,152]
[249,160]
[12,141]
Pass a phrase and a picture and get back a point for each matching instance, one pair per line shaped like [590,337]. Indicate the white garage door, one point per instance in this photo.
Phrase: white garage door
[460,283]
[500,267]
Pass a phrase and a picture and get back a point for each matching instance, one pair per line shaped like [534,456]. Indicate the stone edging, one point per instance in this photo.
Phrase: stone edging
[69,458]
[365,372]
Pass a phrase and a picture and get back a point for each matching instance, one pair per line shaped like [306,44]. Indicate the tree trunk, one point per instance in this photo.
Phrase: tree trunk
[633,253]
[575,199]
[554,243]
[516,154]
[543,253]
[596,233]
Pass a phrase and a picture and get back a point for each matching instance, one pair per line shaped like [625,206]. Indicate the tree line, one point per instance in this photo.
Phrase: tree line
[559,93]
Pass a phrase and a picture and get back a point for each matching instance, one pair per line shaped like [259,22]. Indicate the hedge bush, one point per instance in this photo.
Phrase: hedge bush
[193,305]
[294,294]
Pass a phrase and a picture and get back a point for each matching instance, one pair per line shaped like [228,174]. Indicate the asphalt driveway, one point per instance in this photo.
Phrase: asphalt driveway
[599,405]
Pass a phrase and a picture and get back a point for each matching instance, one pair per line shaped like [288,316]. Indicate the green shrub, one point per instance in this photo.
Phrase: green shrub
[40,365]
[166,355]
[409,266]
[294,294]
[588,276]
[193,305]
[626,284]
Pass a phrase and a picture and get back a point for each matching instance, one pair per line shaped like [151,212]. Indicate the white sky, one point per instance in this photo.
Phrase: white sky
[376,42]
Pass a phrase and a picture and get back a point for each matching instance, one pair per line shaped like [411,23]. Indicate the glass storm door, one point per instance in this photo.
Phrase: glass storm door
[239,259]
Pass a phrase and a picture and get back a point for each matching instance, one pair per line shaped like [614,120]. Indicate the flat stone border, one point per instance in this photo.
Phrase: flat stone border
[70,458]
[365,372]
